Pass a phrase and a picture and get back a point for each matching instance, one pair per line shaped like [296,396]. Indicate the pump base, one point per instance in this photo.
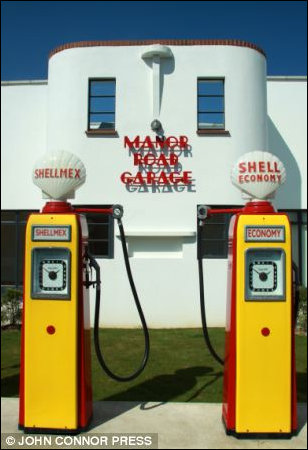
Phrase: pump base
[230,432]
[31,430]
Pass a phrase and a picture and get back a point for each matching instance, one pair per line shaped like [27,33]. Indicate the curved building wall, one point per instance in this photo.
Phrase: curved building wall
[161,226]
[211,157]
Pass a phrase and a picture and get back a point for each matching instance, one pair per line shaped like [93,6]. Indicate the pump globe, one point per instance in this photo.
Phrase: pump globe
[258,174]
[59,174]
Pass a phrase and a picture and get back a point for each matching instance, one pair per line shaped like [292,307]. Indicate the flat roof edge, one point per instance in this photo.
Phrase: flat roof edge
[268,78]
[286,78]
[21,82]
[231,42]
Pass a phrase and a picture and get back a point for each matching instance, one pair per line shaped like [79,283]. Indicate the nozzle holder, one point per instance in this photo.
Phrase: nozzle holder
[117,211]
[202,212]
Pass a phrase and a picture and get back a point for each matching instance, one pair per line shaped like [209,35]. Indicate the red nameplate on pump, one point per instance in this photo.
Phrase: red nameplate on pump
[51,233]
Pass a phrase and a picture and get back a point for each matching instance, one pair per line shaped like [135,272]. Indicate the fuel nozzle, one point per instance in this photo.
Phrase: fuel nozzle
[89,263]
[87,282]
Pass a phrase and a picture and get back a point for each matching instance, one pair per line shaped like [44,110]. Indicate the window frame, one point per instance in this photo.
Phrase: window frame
[214,130]
[94,131]
[109,223]
[19,255]
[226,224]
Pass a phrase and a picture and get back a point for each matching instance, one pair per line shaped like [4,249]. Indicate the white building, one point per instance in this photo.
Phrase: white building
[215,99]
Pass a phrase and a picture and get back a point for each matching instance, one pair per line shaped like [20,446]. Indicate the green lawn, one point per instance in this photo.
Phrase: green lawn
[180,367]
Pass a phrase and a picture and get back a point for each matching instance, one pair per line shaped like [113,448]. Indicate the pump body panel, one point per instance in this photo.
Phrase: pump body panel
[55,379]
[259,379]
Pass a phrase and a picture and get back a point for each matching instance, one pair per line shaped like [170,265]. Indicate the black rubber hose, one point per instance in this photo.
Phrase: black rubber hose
[202,301]
[99,353]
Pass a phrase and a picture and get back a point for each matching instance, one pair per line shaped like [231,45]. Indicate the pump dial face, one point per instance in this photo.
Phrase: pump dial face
[52,275]
[263,276]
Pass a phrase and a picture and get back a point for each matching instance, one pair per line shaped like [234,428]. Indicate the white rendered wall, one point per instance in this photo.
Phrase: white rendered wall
[167,281]
[164,266]
[244,70]
[287,133]
[23,138]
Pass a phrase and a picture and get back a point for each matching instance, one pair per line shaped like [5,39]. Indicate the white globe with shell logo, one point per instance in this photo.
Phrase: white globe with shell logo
[59,174]
[258,174]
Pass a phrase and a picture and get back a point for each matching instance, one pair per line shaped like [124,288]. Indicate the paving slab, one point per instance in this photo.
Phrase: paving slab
[177,426]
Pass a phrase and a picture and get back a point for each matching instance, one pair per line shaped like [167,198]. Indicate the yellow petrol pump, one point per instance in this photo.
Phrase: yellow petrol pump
[55,375]
[259,395]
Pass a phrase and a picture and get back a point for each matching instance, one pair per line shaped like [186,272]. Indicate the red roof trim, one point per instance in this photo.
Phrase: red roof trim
[236,43]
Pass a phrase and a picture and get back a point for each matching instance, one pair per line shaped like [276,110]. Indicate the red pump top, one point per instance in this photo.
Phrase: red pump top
[57,208]
[261,207]
[67,208]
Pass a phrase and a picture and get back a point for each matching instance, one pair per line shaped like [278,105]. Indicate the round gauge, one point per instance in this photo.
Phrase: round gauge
[263,276]
[52,275]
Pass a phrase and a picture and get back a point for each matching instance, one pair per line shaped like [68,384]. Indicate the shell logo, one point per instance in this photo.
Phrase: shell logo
[258,174]
[59,174]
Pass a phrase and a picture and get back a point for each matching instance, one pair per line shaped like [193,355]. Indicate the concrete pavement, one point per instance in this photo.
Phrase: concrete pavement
[178,425]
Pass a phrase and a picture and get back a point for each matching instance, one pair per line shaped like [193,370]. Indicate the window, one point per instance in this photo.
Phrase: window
[214,235]
[101,105]
[13,228]
[211,109]
[101,232]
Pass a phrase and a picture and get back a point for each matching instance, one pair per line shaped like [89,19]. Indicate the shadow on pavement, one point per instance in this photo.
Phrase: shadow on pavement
[161,389]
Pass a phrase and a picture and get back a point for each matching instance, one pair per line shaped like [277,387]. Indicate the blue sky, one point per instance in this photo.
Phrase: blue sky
[30,30]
